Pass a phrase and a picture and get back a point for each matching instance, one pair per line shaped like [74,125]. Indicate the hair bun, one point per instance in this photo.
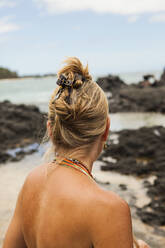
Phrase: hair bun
[74,71]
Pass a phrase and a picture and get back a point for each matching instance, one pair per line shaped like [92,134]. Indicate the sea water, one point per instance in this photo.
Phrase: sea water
[37,91]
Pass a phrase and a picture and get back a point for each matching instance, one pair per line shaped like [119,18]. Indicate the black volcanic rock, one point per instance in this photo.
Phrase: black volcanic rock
[110,83]
[132,99]
[21,125]
[162,78]
[141,97]
[141,153]
[154,212]
[148,76]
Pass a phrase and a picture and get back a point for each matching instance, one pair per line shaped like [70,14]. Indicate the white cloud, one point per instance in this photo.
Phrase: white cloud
[7,26]
[158,18]
[133,19]
[7,3]
[124,7]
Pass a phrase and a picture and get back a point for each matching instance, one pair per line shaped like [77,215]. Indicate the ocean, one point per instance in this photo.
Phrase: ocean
[37,91]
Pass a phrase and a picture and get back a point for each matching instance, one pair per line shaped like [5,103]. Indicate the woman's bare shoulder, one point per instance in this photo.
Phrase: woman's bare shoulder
[115,206]
[115,201]
[35,177]
[109,220]
[108,199]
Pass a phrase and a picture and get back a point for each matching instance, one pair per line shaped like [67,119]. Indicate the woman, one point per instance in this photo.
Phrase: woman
[60,205]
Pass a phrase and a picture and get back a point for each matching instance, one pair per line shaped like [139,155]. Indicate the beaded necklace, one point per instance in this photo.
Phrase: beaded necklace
[76,164]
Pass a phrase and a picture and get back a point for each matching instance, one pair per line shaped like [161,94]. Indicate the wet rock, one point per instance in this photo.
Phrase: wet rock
[162,78]
[123,186]
[111,83]
[21,125]
[135,99]
[148,76]
[138,152]
[156,192]
[141,97]
[141,153]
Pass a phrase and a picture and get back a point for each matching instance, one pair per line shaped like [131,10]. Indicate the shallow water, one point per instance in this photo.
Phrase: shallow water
[121,121]
[29,91]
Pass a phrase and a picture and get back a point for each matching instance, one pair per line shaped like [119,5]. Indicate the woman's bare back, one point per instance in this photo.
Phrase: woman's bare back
[60,207]
[55,206]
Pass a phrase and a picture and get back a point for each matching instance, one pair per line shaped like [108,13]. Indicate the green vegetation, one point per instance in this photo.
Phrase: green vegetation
[6,73]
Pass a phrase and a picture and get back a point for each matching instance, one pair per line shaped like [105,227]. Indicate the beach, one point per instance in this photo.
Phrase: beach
[123,174]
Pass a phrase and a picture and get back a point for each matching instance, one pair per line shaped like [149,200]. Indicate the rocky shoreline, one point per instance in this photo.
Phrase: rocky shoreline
[21,126]
[141,153]
[142,97]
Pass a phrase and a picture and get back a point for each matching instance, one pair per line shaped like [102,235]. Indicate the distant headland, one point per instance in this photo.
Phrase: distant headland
[5,73]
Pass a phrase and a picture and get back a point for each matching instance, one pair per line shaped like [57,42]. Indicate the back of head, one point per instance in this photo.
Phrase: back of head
[77,114]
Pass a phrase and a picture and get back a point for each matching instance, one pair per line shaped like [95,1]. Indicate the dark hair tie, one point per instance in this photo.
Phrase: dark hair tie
[63,82]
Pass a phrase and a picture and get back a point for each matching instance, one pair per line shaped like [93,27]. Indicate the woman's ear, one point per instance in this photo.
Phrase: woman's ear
[106,132]
[49,128]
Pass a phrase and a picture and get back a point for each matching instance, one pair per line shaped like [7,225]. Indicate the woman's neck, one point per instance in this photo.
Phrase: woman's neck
[85,156]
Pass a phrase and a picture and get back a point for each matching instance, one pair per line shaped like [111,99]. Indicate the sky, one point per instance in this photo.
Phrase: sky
[112,36]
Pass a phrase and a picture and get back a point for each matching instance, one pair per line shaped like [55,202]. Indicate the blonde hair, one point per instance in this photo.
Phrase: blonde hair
[79,123]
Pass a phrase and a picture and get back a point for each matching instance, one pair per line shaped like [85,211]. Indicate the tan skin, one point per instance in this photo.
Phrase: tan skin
[64,208]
